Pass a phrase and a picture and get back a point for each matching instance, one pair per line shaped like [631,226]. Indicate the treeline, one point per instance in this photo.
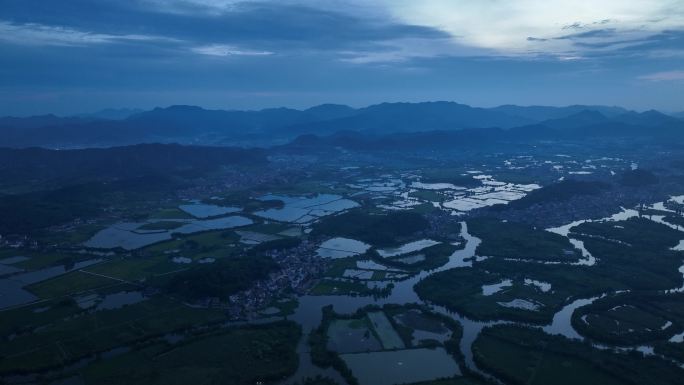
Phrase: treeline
[519,240]
[558,192]
[30,212]
[376,230]
[220,279]
[525,355]
[642,310]
[18,166]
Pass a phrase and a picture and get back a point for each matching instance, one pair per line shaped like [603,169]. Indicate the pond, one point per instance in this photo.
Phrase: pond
[407,248]
[202,210]
[128,235]
[436,186]
[12,291]
[351,336]
[401,366]
[496,287]
[341,248]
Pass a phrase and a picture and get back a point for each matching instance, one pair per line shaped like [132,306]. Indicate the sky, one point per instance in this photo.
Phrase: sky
[76,56]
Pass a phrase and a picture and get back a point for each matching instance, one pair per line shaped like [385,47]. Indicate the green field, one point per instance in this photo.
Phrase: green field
[239,356]
[73,282]
[69,333]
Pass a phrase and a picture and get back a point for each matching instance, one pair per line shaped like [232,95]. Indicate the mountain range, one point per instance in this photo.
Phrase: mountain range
[196,125]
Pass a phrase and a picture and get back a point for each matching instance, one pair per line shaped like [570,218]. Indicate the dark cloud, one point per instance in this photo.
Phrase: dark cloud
[264,25]
[594,33]
[666,40]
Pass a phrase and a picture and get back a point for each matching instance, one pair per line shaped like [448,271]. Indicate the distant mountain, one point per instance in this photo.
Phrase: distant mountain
[196,125]
[194,120]
[582,118]
[577,128]
[330,111]
[175,124]
[649,118]
[679,115]
[112,113]
[541,113]
[413,117]
[414,141]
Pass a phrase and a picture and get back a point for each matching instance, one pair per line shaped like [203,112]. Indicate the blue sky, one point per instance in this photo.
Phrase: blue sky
[73,56]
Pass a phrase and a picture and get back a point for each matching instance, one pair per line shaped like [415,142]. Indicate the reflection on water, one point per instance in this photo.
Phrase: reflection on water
[407,248]
[588,259]
[309,311]
[341,248]
[496,287]
[202,210]
[305,209]
[401,366]
[12,291]
[128,236]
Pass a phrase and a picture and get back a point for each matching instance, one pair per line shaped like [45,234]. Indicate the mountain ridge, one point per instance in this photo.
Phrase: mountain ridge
[188,124]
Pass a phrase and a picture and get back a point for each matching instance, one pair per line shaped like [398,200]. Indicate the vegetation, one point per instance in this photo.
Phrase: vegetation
[559,192]
[381,230]
[74,282]
[65,333]
[220,279]
[632,318]
[434,257]
[239,356]
[353,288]
[519,241]
[461,290]
[521,355]
[638,178]
[320,355]
[637,232]
[318,380]
[30,212]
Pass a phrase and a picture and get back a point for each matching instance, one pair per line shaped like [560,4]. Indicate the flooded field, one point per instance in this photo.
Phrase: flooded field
[351,336]
[129,236]
[305,209]
[202,210]
[382,327]
[12,288]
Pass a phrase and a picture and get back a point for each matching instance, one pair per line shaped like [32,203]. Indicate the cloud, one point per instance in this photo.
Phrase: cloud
[352,51]
[403,50]
[227,50]
[504,26]
[665,76]
[261,25]
[38,34]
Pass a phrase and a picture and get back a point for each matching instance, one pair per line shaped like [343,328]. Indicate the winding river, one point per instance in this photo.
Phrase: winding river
[309,312]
